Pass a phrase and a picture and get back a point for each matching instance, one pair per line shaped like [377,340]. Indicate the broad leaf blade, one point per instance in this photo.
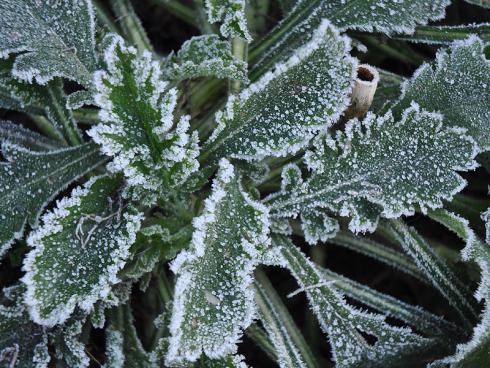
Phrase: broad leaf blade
[483,3]
[23,344]
[382,167]
[56,39]
[214,301]
[78,251]
[205,56]
[368,15]
[137,113]
[25,138]
[29,180]
[281,112]
[456,86]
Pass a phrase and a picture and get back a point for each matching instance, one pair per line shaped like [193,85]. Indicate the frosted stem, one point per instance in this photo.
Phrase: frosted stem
[239,51]
[363,91]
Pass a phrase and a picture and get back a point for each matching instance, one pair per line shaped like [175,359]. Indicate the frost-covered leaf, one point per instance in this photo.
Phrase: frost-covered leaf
[458,86]
[214,301]
[160,240]
[344,323]
[231,14]
[55,38]
[388,90]
[288,354]
[434,268]
[283,110]
[484,3]
[25,138]
[70,350]
[232,361]
[23,344]
[123,346]
[445,35]
[78,251]
[385,16]
[48,100]
[473,353]
[137,114]
[205,56]
[317,226]
[381,166]
[30,179]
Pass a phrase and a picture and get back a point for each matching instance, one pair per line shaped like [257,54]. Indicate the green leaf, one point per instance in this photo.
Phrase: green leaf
[288,354]
[345,324]
[124,348]
[69,347]
[232,361]
[435,269]
[55,39]
[30,179]
[78,251]
[25,138]
[23,344]
[381,166]
[317,226]
[456,86]
[281,112]
[367,15]
[483,3]
[205,56]
[473,353]
[388,90]
[137,119]
[214,301]
[231,14]
[445,35]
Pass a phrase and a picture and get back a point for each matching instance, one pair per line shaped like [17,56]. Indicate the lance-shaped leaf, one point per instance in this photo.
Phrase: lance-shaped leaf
[214,299]
[124,348]
[56,39]
[282,111]
[23,344]
[483,3]
[137,118]
[457,86]
[205,56]
[434,268]
[446,35]
[345,324]
[368,15]
[30,179]
[231,14]
[381,166]
[473,353]
[25,138]
[48,100]
[288,353]
[78,251]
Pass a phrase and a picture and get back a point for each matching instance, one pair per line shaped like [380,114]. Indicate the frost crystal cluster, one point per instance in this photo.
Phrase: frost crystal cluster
[163,202]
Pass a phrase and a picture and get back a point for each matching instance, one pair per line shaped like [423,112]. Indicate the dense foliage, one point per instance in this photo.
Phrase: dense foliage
[146,200]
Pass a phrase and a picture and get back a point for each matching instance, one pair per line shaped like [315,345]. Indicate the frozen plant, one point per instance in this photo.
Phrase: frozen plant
[147,197]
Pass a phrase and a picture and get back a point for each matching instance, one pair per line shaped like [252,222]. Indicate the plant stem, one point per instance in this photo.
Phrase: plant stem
[131,25]
[180,10]
[86,115]
[104,17]
[239,51]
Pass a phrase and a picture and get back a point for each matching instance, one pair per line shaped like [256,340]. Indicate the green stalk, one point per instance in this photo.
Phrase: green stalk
[86,115]
[131,25]
[180,10]
[239,51]
[104,17]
